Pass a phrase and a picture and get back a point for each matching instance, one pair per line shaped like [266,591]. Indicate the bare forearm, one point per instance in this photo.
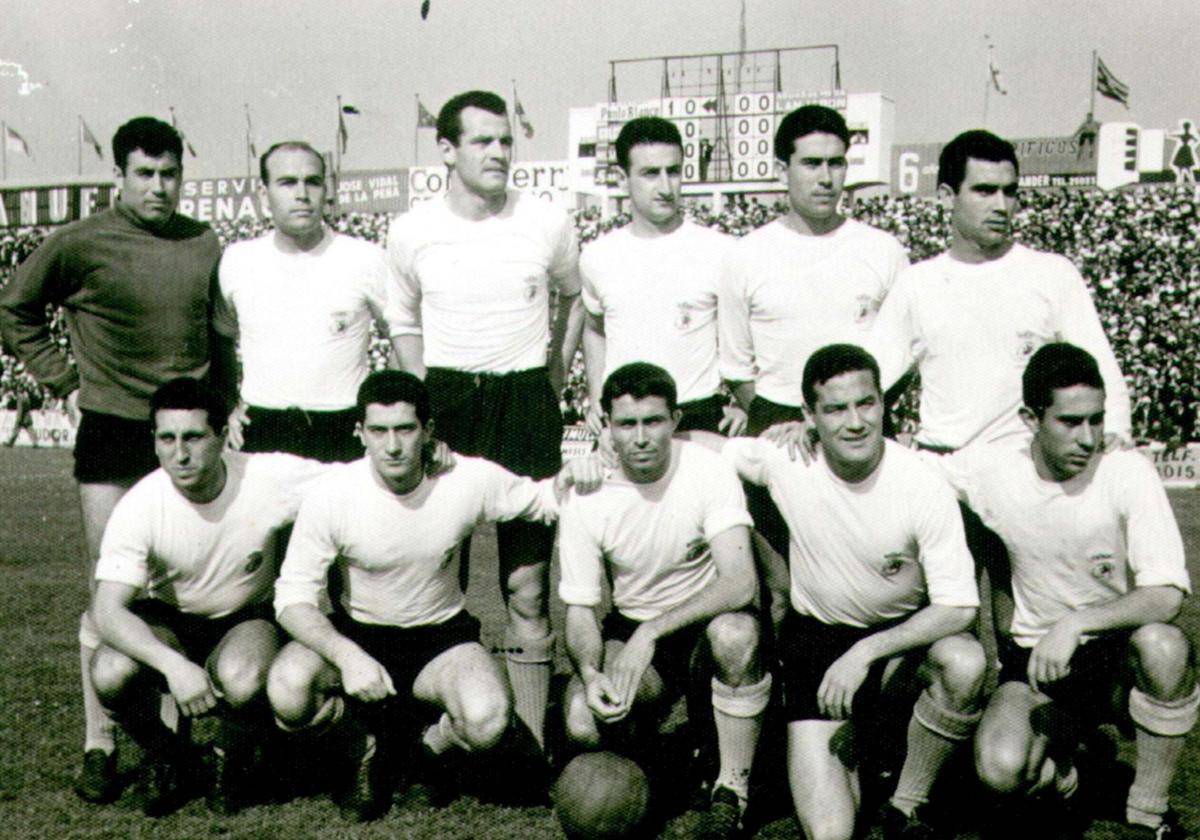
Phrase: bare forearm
[124,631]
[309,626]
[1140,606]
[565,334]
[923,628]
[585,645]
[733,589]
[743,392]
[410,353]
[593,358]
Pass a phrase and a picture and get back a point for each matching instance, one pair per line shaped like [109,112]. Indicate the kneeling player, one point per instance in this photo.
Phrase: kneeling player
[882,590]
[183,594]
[669,527]
[402,630]
[1098,575]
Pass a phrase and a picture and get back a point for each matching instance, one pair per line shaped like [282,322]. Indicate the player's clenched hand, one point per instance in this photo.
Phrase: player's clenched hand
[835,695]
[1051,657]
[363,677]
[603,699]
[239,419]
[734,421]
[585,474]
[630,664]
[191,689]
[798,437]
[441,458]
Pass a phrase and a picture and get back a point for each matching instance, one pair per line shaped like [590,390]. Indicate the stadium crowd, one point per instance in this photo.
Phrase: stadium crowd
[1136,249]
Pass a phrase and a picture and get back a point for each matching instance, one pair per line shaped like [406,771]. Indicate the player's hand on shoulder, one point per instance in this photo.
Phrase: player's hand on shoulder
[594,419]
[441,458]
[363,678]
[835,695]
[1050,660]
[798,437]
[239,419]
[585,473]
[603,699]
[734,421]
[1114,442]
[190,687]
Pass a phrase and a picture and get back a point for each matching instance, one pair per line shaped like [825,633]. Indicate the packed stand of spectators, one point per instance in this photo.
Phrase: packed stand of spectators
[1137,249]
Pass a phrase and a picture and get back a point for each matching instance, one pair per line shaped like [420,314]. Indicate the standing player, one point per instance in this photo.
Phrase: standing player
[402,630]
[182,595]
[670,529]
[469,309]
[1098,577]
[882,592]
[807,279]
[970,318]
[137,282]
[650,289]
[301,301]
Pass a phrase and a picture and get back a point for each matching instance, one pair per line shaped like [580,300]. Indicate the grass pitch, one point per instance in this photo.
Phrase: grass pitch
[43,591]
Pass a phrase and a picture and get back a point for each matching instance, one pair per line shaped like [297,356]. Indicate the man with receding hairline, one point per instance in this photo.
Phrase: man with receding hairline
[472,276]
[301,301]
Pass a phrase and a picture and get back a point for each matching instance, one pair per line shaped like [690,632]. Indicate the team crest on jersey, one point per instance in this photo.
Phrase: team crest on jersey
[531,288]
[253,562]
[1026,344]
[683,318]
[893,562]
[339,323]
[696,549]
[1104,567]
[864,307]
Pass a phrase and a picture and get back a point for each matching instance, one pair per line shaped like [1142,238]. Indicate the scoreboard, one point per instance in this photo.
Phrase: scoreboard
[727,141]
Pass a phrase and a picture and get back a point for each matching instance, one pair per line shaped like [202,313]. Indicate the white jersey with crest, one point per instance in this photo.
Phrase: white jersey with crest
[1077,543]
[658,298]
[207,559]
[651,540]
[785,295]
[396,554]
[867,552]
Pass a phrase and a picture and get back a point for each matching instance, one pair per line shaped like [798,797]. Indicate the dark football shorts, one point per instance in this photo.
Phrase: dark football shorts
[198,635]
[326,436]
[113,450]
[404,651]
[681,659]
[512,419]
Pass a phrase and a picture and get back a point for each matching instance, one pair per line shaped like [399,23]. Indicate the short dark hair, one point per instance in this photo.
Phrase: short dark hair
[186,394]
[290,145]
[805,120]
[834,360]
[643,130]
[1053,366]
[638,380]
[388,387]
[449,121]
[978,144]
[154,137]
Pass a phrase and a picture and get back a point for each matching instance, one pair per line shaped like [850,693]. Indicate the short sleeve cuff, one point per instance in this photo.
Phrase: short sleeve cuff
[579,596]
[722,519]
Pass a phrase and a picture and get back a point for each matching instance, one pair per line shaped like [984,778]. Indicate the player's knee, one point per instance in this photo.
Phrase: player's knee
[580,723]
[483,719]
[1164,657]
[733,639]
[240,678]
[289,688]
[960,664]
[1000,760]
[112,674]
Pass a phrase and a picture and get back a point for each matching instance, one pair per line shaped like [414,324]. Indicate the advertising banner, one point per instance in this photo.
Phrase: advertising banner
[53,204]
[239,199]
[1044,162]
[546,179]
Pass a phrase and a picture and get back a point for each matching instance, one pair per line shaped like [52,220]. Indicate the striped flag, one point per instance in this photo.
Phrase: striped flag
[15,143]
[90,139]
[994,69]
[1109,85]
